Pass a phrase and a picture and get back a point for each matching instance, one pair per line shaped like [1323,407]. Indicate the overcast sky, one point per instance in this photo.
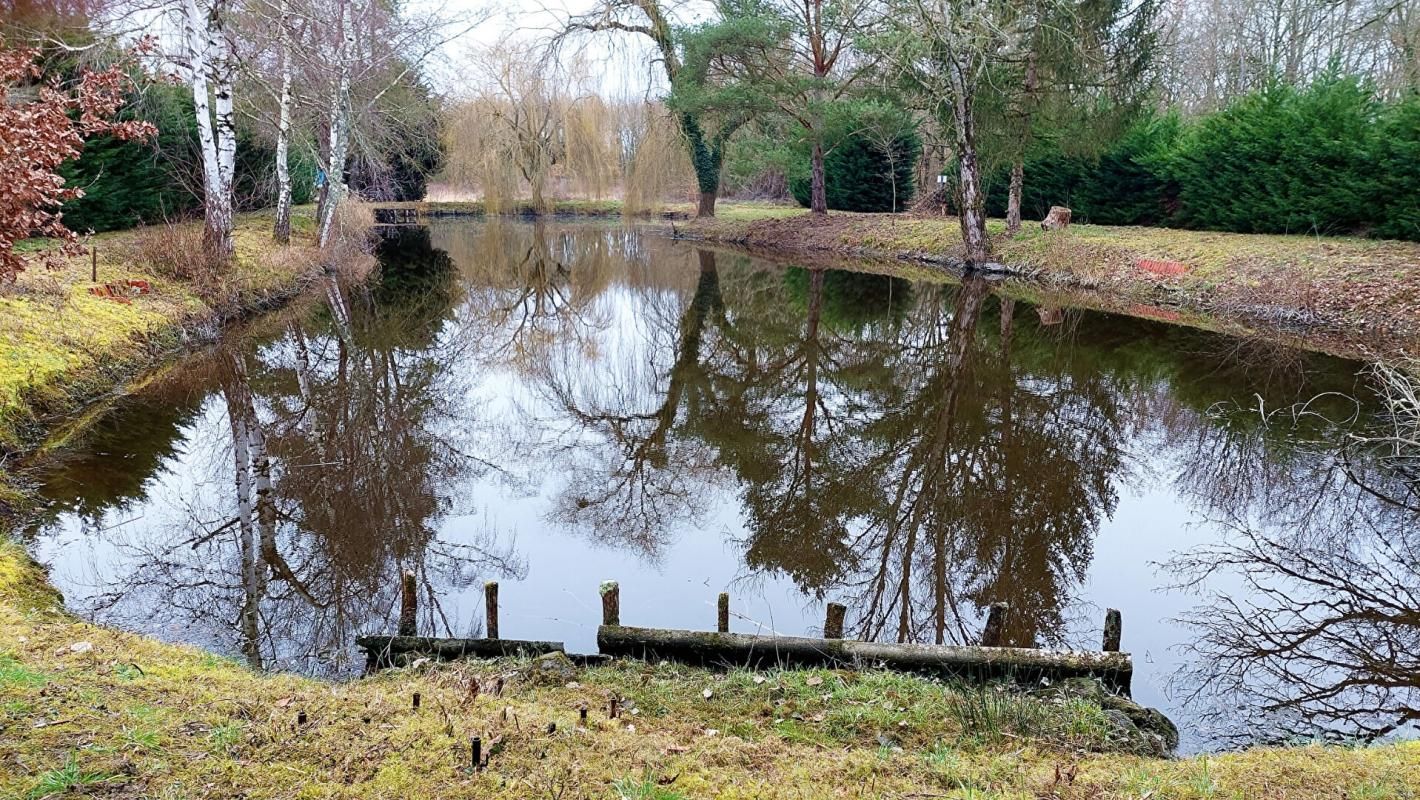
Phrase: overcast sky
[624,63]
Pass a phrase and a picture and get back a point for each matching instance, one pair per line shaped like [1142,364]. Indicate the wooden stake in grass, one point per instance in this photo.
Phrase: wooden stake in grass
[1113,630]
[995,631]
[408,605]
[415,701]
[723,616]
[94,264]
[611,603]
[833,621]
[476,748]
[582,714]
[300,719]
[490,602]
[611,709]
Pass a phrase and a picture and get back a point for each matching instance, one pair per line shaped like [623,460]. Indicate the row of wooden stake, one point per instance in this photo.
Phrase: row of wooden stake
[993,635]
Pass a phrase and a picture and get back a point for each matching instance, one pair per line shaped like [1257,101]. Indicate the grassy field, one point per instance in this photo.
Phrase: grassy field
[89,711]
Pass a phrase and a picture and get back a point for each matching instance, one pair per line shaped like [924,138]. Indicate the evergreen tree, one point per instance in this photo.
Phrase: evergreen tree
[860,175]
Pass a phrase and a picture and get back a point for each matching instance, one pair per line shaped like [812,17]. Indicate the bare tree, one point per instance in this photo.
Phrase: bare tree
[648,18]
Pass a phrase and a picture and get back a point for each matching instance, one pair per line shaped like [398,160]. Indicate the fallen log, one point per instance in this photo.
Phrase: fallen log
[382,652]
[1027,666]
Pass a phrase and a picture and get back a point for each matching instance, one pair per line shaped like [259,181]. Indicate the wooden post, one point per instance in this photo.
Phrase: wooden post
[995,632]
[414,701]
[833,621]
[611,603]
[94,264]
[301,718]
[408,604]
[476,746]
[1113,630]
[722,623]
[490,601]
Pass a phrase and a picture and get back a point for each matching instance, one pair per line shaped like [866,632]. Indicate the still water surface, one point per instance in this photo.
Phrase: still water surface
[552,405]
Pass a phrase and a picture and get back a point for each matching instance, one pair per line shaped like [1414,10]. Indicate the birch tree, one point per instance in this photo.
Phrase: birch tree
[210,71]
[358,52]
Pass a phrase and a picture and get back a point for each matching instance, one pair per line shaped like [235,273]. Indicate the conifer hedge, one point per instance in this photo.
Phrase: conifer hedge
[1330,158]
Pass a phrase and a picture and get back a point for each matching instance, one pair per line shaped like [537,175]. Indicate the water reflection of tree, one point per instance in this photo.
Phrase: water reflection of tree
[632,473]
[1324,638]
[533,287]
[995,471]
[344,444]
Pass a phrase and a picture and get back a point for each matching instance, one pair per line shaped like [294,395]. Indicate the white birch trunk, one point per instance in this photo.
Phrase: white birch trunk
[339,143]
[248,618]
[210,68]
[282,231]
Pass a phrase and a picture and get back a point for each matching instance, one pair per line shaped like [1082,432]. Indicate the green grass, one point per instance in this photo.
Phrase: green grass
[644,788]
[13,674]
[69,777]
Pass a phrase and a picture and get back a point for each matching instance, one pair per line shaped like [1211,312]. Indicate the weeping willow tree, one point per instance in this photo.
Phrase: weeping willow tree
[536,130]
[528,130]
[654,164]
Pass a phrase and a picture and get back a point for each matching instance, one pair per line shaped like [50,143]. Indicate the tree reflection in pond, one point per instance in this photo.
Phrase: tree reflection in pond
[1325,638]
[342,442]
[694,420]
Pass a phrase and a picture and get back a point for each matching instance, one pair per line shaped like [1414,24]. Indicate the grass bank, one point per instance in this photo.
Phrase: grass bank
[1365,292]
[89,711]
[62,347]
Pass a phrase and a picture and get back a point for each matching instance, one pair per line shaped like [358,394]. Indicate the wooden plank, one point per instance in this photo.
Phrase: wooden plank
[1027,666]
[387,651]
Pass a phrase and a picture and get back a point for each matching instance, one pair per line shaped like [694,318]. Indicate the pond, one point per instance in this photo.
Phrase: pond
[551,405]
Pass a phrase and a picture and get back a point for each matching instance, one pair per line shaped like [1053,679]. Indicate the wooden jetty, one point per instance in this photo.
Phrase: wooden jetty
[721,648]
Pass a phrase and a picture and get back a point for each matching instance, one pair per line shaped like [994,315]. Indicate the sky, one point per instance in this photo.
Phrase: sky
[624,64]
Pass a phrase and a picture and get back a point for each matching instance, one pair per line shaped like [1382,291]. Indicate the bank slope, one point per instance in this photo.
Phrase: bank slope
[66,340]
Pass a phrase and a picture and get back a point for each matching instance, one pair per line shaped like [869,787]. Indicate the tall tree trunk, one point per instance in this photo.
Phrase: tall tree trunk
[972,213]
[1013,197]
[818,197]
[210,69]
[339,142]
[706,157]
[1018,170]
[282,229]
